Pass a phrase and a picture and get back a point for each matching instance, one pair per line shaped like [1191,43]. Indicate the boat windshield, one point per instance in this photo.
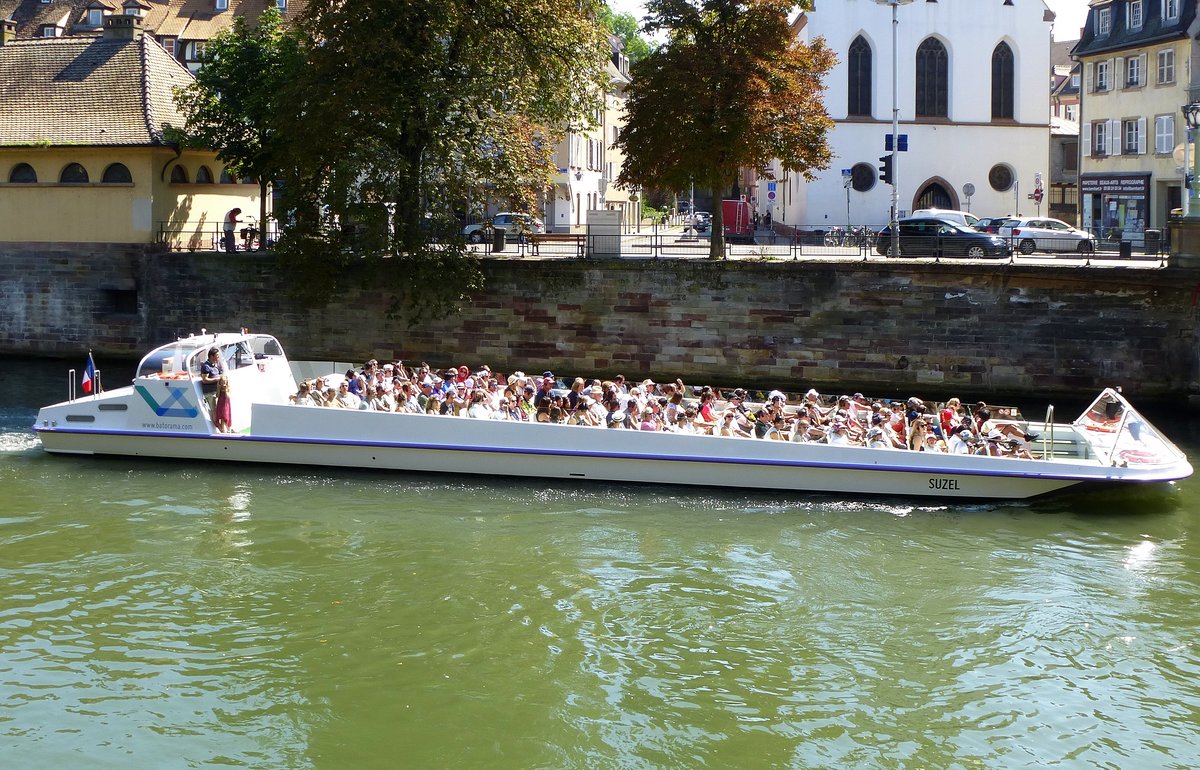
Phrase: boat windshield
[185,355]
[1121,434]
[168,358]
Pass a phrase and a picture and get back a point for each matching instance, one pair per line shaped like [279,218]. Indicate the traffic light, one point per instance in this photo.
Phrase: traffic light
[885,170]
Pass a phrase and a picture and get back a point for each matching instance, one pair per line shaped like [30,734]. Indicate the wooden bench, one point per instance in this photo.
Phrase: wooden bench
[579,240]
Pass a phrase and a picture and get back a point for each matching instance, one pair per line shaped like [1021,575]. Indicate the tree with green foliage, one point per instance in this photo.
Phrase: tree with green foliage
[410,114]
[231,107]
[731,88]
[628,29]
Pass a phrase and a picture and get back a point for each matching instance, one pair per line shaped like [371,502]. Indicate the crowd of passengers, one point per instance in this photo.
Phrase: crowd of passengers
[671,407]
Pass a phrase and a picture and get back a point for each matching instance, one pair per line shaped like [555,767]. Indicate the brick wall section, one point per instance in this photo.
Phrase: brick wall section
[882,327]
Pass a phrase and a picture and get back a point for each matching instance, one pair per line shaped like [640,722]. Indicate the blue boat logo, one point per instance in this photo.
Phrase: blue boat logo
[177,403]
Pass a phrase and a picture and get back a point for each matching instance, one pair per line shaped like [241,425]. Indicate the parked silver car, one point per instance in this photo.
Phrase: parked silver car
[513,224]
[1030,234]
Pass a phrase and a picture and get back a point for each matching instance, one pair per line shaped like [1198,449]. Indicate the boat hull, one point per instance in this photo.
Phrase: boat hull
[369,440]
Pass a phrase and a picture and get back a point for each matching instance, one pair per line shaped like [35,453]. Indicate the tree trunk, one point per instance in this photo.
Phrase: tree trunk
[716,232]
[262,213]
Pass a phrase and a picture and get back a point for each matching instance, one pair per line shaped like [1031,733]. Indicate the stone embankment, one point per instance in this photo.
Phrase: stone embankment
[884,327]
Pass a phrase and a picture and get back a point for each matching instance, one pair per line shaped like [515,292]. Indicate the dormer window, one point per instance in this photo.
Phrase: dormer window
[1170,10]
[194,51]
[222,5]
[1103,21]
[49,30]
[95,17]
[1133,14]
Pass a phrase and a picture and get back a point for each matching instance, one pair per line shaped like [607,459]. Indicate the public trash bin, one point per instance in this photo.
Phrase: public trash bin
[1126,249]
[1153,242]
[498,238]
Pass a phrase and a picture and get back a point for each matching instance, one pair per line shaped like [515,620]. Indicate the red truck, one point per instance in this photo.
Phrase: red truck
[736,214]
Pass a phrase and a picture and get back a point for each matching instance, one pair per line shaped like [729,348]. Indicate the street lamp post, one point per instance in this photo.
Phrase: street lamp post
[895,127]
[1191,114]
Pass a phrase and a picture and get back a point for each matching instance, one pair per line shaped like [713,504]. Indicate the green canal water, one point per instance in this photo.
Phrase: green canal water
[165,615]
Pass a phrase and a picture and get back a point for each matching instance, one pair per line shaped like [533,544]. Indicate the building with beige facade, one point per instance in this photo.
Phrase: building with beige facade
[86,148]
[1135,58]
[588,164]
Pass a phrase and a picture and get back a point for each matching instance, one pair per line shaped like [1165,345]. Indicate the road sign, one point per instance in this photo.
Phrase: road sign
[901,146]
[770,195]
[968,189]
[770,186]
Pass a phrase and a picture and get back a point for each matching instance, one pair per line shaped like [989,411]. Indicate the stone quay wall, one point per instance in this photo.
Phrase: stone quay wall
[884,326]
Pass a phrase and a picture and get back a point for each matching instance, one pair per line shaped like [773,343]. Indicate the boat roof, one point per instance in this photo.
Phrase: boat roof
[194,344]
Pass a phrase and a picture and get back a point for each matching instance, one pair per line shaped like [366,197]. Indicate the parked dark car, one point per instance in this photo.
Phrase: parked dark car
[990,224]
[927,237]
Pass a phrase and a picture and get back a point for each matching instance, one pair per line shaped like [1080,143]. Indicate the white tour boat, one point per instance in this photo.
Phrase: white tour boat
[162,414]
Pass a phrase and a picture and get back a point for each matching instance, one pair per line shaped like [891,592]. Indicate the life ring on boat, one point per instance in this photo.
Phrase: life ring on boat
[1101,428]
[177,376]
[1138,457]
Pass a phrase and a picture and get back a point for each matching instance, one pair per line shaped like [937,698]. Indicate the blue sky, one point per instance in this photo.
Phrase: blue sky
[1071,14]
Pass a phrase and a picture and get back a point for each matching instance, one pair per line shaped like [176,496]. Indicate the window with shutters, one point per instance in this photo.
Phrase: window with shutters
[1099,138]
[1133,72]
[1101,80]
[933,77]
[1166,66]
[1131,137]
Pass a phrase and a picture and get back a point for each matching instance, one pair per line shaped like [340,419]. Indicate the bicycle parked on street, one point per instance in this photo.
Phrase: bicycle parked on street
[859,236]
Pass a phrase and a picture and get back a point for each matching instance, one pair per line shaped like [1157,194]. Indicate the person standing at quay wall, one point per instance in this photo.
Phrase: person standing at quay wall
[229,228]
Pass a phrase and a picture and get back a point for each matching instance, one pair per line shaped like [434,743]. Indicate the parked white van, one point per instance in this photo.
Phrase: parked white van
[948,215]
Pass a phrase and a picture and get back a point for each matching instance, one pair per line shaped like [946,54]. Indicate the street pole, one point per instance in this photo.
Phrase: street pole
[895,128]
[1185,199]
[846,184]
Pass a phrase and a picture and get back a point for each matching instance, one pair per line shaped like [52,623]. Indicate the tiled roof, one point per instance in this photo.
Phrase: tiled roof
[31,16]
[184,19]
[89,91]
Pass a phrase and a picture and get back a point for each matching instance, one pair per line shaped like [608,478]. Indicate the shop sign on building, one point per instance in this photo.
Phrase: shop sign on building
[1138,185]
[1115,205]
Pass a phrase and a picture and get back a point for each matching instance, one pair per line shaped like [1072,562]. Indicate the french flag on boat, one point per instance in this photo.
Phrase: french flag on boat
[89,374]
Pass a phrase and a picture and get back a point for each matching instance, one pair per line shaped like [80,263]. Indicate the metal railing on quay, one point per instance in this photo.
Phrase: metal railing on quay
[777,243]
[210,236]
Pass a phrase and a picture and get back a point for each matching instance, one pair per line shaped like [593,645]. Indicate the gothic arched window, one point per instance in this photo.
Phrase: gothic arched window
[933,80]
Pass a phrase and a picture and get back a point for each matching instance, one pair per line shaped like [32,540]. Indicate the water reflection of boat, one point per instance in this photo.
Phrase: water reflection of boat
[163,414]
